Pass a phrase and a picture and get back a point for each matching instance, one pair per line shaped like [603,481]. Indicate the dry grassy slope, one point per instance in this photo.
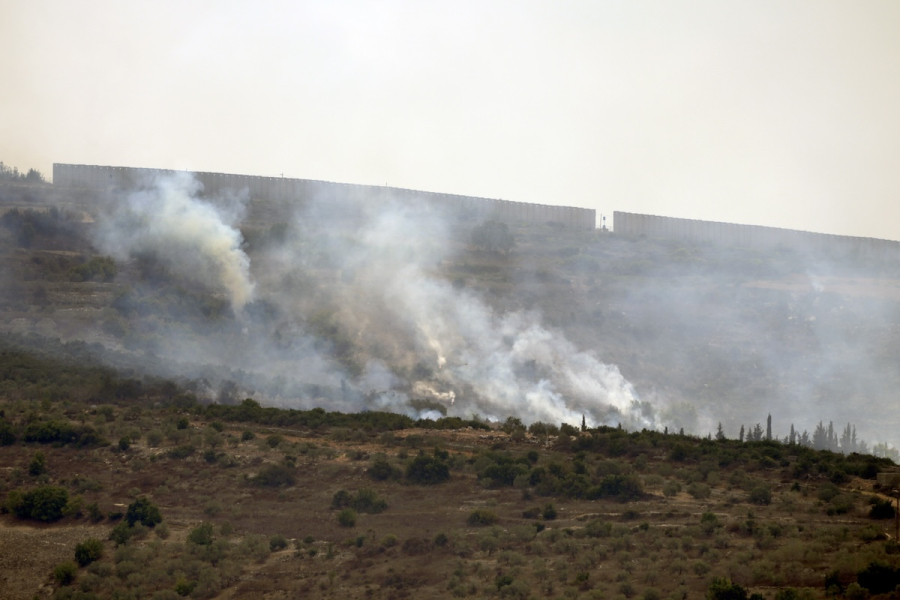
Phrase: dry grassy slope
[656,546]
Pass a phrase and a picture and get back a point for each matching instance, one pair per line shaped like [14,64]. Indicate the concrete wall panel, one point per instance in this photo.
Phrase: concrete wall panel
[278,188]
[753,236]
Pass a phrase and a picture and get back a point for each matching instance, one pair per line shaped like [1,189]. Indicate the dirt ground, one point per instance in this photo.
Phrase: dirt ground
[28,554]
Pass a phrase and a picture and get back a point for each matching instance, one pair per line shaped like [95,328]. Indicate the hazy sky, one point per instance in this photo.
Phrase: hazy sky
[782,113]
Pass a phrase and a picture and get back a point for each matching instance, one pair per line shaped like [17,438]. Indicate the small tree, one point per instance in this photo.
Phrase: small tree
[481,518]
[341,499]
[202,534]
[549,512]
[881,509]
[88,551]
[144,512]
[38,464]
[761,495]
[45,503]
[65,573]
[347,517]
[277,542]
[724,589]
[427,470]
[382,470]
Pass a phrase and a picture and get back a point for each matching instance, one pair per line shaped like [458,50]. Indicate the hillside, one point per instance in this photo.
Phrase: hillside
[377,307]
[247,502]
[508,412]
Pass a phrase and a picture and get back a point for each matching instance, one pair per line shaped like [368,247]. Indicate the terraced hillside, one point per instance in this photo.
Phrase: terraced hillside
[702,334]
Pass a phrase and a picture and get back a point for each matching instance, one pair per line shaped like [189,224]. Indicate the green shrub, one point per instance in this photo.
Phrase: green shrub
[94,512]
[48,432]
[700,491]
[88,551]
[73,507]
[598,528]
[532,513]
[341,499]
[367,501]
[761,494]
[347,517]
[427,470]
[881,509]
[182,451]
[7,434]
[154,438]
[382,470]
[623,487]
[275,476]
[45,503]
[879,578]
[671,488]
[38,464]
[102,267]
[121,533]
[481,518]
[162,530]
[184,587]
[65,573]
[724,589]
[201,535]
[549,512]
[277,542]
[144,512]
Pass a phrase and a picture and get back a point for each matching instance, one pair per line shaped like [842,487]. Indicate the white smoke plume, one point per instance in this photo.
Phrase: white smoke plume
[195,239]
[494,365]
[350,310]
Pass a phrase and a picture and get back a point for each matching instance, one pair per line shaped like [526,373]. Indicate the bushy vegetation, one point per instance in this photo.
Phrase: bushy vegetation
[549,504]
[8,173]
[88,551]
[365,501]
[481,518]
[45,503]
[427,470]
[275,476]
[144,512]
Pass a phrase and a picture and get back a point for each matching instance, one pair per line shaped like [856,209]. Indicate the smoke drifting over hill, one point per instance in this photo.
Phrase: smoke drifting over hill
[194,238]
[346,299]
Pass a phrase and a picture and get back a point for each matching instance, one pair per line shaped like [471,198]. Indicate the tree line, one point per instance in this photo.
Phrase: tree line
[8,173]
[824,437]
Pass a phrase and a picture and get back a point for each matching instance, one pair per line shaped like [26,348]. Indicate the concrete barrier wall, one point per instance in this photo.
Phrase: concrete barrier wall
[752,236]
[283,189]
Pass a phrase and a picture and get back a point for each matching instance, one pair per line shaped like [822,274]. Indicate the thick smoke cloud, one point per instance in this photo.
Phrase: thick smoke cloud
[492,364]
[195,239]
[347,309]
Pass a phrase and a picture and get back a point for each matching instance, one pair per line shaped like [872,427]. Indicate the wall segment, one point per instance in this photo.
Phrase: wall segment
[752,236]
[286,189]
